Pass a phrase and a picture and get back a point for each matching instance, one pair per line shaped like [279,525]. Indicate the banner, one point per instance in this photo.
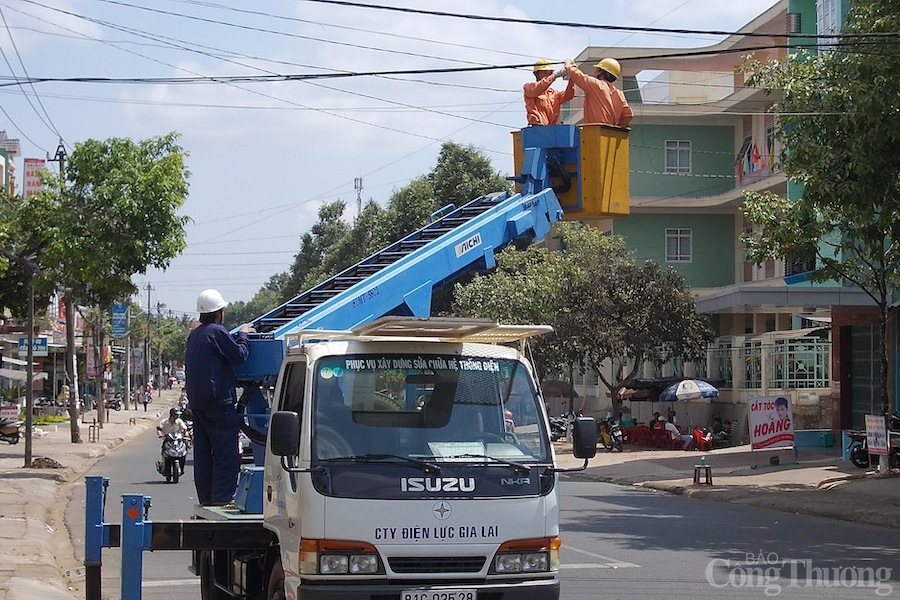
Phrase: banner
[137,361]
[38,344]
[90,361]
[32,182]
[771,422]
[119,320]
[876,435]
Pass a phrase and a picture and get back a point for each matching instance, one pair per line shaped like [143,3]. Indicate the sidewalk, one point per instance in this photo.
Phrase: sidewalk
[32,530]
[35,541]
[820,483]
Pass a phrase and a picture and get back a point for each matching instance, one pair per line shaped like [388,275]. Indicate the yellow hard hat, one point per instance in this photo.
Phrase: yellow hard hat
[543,64]
[610,65]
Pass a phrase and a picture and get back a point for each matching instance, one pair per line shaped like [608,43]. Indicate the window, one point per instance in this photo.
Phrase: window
[678,245]
[826,20]
[678,156]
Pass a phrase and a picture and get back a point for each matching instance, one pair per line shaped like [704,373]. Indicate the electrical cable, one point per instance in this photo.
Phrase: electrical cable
[576,25]
[48,121]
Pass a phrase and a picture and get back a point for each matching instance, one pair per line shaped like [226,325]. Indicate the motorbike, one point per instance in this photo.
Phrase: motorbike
[560,425]
[174,451]
[115,402]
[9,431]
[859,446]
[611,435]
[557,428]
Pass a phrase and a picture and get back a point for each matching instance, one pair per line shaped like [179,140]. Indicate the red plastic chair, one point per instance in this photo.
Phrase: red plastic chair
[659,437]
[701,441]
[640,435]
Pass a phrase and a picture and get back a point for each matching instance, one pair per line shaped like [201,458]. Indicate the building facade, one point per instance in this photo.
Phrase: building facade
[700,139]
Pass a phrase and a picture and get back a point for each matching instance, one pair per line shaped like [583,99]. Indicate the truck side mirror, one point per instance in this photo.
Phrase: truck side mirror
[284,433]
[584,436]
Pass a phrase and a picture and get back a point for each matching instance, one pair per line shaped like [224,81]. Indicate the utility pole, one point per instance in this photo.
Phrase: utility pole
[147,361]
[358,186]
[127,393]
[159,343]
[68,302]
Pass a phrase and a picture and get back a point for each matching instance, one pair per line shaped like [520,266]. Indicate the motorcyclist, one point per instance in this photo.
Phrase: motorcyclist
[172,423]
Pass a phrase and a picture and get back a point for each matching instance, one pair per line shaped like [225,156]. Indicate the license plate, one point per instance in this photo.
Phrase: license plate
[442,594]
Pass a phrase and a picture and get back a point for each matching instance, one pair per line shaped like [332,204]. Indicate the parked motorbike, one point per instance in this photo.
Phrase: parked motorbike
[559,425]
[557,428]
[611,435]
[174,452]
[115,402]
[9,431]
[859,446]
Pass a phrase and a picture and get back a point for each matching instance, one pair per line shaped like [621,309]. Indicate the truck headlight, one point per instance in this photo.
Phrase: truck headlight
[363,563]
[540,555]
[536,562]
[333,563]
[508,563]
[334,557]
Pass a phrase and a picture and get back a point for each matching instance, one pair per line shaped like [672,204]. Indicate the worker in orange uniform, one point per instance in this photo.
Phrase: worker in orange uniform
[603,102]
[542,103]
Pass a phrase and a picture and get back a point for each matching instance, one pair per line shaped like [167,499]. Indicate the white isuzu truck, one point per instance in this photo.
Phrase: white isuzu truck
[407,459]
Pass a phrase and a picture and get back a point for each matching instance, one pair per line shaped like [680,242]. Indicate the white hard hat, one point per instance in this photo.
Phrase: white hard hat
[210,301]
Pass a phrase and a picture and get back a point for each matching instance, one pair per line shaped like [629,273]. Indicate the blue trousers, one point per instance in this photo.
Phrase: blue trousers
[216,457]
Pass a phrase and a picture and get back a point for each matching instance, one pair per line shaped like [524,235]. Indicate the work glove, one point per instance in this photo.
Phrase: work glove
[562,73]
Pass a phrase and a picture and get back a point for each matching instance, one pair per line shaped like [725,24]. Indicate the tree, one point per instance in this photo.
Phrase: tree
[267,298]
[18,264]
[838,121]
[603,308]
[461,175]
[314,245]
[112,214]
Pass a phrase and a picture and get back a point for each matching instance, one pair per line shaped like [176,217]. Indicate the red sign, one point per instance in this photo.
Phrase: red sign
[32,181]
[771,422]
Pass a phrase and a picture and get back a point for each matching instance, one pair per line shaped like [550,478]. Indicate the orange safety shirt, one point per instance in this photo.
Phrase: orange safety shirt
[603,102]
[542,103]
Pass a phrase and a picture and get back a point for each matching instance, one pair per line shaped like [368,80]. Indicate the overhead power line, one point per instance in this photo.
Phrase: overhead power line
[231,79]
[439,13]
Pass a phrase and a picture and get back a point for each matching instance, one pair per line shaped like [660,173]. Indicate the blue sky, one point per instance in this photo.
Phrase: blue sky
[264,156]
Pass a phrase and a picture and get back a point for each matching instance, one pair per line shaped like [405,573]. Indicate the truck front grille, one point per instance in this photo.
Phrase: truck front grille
[436,564]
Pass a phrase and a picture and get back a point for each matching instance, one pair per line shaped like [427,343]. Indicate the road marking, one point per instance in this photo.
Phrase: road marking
[609,563]
[170,582]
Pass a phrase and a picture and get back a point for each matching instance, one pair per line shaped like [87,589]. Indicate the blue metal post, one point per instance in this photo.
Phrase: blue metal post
[136,534]
[94,530]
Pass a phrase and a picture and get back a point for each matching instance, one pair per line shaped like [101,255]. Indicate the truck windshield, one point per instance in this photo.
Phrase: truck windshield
[446,408]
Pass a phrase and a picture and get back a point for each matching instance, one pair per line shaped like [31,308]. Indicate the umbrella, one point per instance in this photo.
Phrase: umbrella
[688,389]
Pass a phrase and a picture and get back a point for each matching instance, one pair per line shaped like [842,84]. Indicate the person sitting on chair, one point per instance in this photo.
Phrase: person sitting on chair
[685,438]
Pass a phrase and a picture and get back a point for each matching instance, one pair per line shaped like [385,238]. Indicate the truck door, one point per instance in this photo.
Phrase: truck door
[281,488]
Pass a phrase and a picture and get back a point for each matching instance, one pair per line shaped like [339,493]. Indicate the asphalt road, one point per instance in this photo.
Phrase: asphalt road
[622,542]
[618,542]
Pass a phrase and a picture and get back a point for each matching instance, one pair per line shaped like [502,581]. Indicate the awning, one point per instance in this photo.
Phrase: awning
[15,361]
[21,376]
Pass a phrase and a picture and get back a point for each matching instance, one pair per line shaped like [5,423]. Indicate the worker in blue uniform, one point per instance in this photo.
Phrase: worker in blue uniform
[210,386]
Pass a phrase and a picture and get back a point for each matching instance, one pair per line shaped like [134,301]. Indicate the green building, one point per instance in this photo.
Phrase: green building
[698,140]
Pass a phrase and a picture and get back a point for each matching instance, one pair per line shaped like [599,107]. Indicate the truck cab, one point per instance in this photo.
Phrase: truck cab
[411,461]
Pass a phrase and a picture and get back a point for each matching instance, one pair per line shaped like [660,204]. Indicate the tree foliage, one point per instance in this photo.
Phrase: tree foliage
[114,213]
[839,118]
[461,175]
[604,309]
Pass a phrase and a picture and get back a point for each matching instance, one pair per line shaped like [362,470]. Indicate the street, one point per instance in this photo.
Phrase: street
[618,542]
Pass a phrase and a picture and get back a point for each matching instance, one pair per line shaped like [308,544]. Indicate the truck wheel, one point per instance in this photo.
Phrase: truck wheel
[276,583]
[208,589]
